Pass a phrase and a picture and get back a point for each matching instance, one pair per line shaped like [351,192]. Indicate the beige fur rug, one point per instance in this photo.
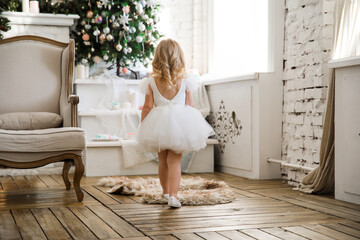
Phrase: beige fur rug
[193,190]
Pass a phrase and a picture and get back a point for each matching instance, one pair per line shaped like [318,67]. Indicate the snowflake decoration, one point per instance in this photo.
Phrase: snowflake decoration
[124,20]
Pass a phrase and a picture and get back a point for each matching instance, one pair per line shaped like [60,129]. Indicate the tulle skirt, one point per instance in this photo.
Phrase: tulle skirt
[179,128]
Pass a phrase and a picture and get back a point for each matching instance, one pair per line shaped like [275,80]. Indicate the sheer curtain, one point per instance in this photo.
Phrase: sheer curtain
[346,38]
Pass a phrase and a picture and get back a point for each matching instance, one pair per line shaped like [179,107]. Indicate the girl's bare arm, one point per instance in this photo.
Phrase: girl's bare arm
[189,99]
[148,104]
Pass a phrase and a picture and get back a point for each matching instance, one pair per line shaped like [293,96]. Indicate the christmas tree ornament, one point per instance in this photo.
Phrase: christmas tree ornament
[129,50]
[87,26]
[118,47]
[139,9]
[139,39]
[102,37]
[115,25]
[150,21]
[125,51]
[99,4]
[145,17]
[135,17]
[96,32]
[83,23]
[109,37]
[89,14]
[133,30]
[124,20]
[142,27]
[87,43]
[93,20]
[86,37]
[96,59]
[143,3]
[98,19]
[103,13]
[106,57]
[126,9]
[78,33]
[113,17]
[126,28]
[93,49]
[128,62]
[129,38]
[124,70]
[84,61]
[106,30]
[89,55]
[83,31]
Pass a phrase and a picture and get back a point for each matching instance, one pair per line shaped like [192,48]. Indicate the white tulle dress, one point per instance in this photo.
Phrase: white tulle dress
[171,124]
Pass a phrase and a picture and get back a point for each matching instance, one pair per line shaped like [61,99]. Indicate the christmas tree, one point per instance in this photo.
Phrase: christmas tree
[121,31]
[117,31]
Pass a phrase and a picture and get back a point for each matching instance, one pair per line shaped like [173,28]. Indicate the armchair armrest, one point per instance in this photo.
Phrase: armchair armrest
[74,101]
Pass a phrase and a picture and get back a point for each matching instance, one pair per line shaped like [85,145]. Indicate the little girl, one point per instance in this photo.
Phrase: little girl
[170,125]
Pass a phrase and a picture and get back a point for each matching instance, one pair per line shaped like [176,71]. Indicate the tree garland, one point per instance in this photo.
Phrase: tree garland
[121,31]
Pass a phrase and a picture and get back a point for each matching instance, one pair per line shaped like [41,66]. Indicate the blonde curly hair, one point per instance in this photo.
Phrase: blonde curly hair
[169,63]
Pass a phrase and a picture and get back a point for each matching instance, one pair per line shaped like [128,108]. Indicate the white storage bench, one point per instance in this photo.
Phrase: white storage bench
[106,159]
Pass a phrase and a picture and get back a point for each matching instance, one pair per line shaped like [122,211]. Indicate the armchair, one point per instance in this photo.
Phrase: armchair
[36,77]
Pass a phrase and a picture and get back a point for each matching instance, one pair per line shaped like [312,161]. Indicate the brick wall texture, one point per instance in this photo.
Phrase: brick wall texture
[307,45]
[186,22]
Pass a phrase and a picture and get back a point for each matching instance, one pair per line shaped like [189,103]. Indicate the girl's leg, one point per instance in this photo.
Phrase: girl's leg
[163,171]
[174,165]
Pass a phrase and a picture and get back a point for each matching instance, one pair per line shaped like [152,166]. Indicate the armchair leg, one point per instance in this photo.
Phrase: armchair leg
[65,174]
[79,171]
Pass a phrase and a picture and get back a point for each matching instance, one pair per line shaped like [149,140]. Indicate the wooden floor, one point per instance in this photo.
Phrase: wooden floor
[39,207]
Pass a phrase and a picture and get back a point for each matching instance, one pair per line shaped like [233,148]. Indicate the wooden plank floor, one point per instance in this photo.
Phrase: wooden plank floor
[39,207]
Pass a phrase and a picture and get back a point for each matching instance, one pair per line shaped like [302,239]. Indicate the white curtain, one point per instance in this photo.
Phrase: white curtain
[346,28]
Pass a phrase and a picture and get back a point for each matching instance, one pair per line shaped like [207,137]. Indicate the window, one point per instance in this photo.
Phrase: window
[238,37]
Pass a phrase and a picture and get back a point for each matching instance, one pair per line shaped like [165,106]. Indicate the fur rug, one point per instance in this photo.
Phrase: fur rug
[193,190]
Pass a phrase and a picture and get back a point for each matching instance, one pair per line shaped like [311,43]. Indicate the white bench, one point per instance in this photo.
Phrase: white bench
[106,159]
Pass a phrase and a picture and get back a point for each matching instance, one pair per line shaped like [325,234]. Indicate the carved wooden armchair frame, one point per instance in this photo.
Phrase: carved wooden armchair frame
[73,100]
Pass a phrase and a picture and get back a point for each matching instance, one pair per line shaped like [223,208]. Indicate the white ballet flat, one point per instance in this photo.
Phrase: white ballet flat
[173,202]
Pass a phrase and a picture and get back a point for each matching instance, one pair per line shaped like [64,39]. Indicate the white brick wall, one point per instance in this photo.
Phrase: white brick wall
[308,39]
[185,21]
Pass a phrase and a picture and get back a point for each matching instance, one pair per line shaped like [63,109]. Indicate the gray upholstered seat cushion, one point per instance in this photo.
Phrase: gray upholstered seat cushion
[44,140]
[29,120]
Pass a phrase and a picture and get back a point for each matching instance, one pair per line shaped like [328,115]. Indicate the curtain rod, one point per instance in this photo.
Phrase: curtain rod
[289,165]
